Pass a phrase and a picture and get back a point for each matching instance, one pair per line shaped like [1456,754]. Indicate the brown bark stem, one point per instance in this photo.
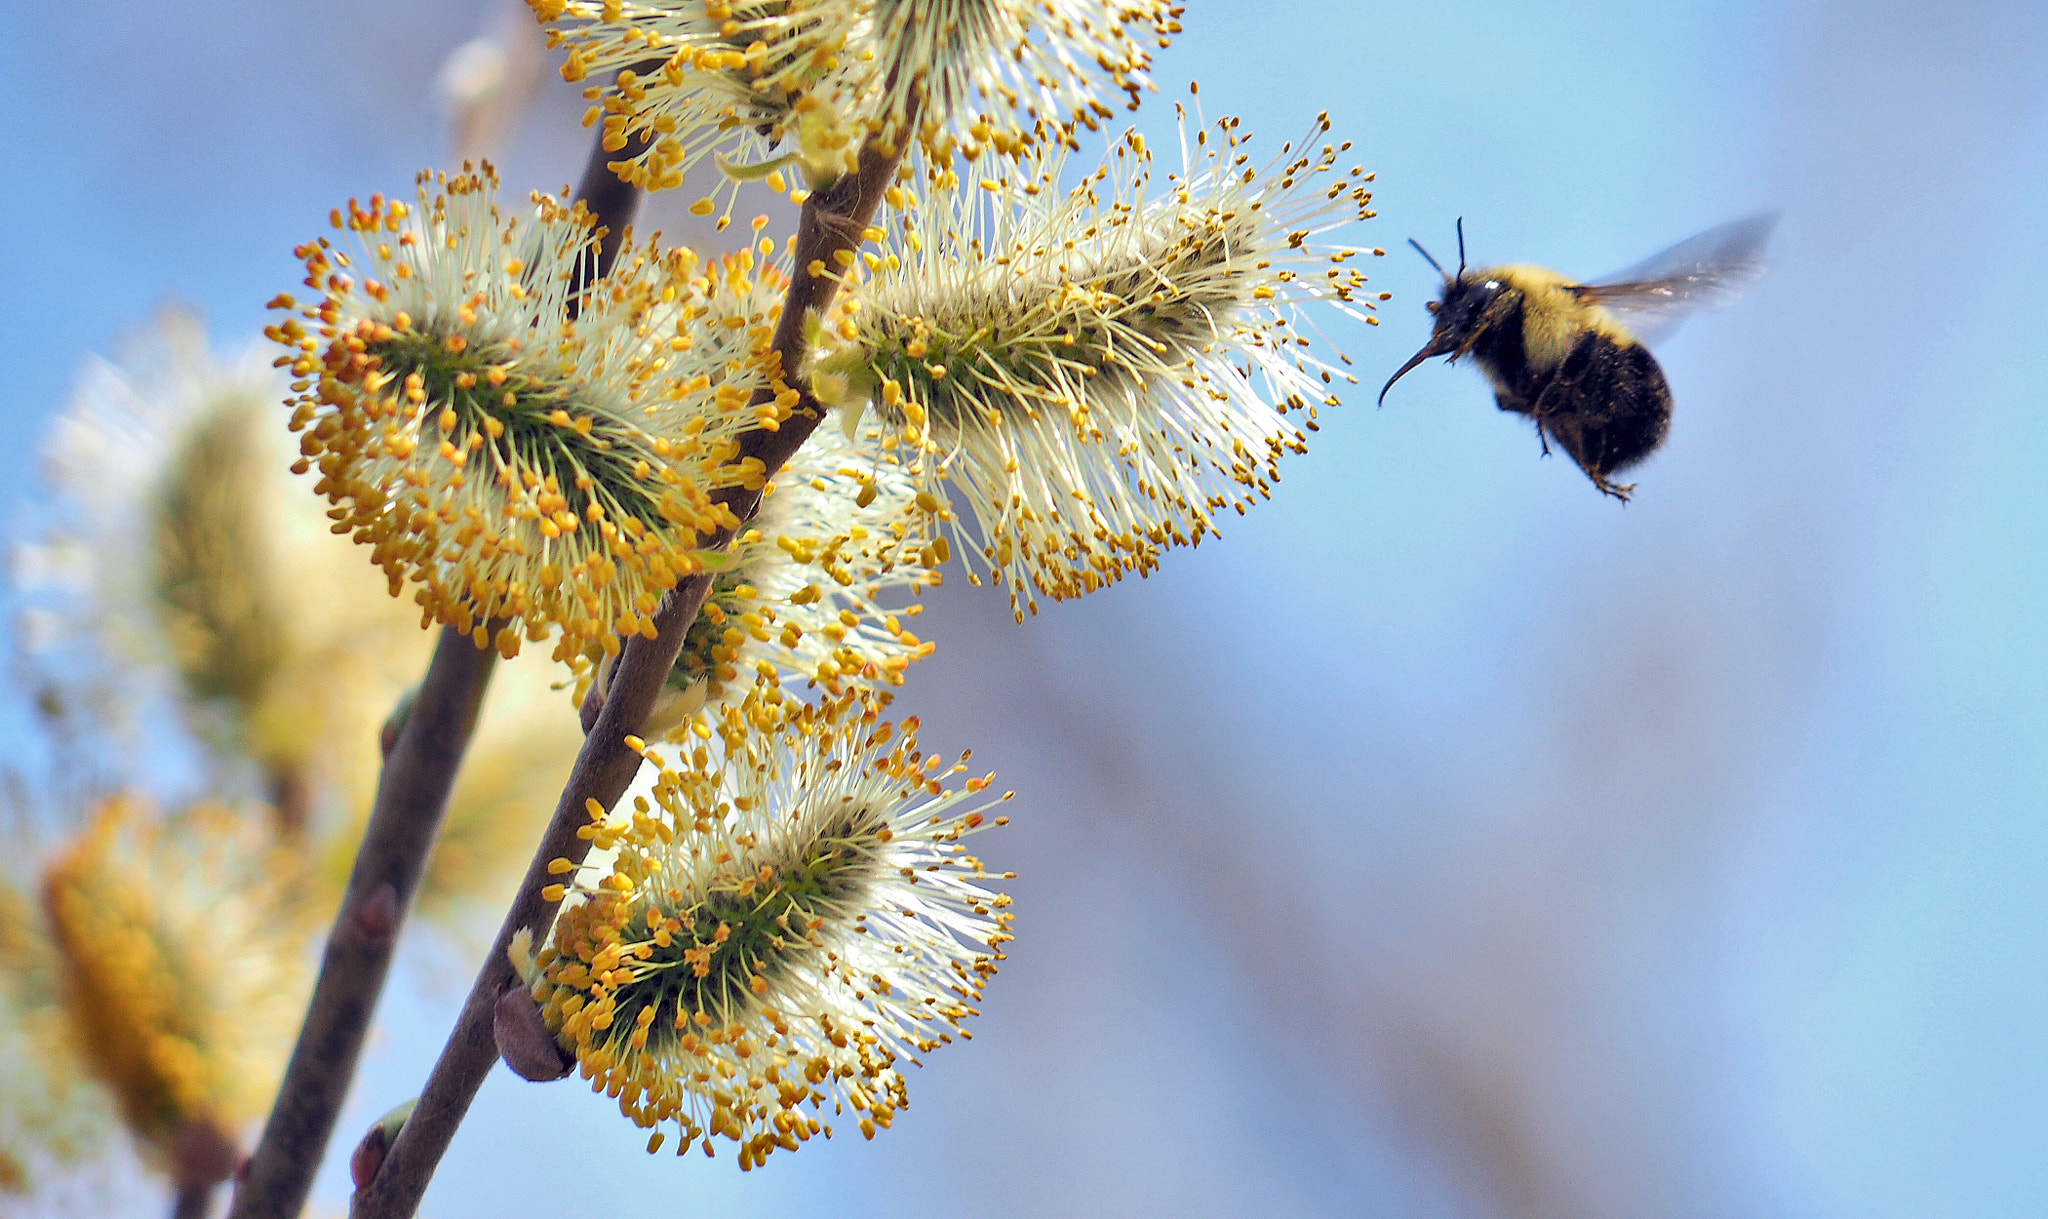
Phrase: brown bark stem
[611,199]
[832,220]
[419,772]
[192,1202]
[411,797]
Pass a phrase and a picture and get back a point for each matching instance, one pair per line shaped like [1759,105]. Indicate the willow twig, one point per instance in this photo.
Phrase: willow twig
[833,220]
[192,1202]
[411,797]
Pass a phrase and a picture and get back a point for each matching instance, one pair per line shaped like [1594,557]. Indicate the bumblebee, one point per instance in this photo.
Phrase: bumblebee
[1571,356]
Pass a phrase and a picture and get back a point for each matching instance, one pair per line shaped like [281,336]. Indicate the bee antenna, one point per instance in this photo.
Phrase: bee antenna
[1461,247]
[1425,253]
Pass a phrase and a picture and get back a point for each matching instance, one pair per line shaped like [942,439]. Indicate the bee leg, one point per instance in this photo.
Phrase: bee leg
[1508,401]
[1558,410]
[1619,491]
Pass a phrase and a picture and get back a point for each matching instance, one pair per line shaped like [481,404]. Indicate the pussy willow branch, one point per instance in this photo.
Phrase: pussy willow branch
[833,220]
[412,795]
[192,1202]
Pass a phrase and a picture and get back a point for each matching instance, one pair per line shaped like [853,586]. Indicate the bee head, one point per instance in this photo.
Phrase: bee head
[1461,312]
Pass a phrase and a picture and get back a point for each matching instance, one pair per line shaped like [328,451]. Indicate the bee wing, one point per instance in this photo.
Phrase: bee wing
[1699,273]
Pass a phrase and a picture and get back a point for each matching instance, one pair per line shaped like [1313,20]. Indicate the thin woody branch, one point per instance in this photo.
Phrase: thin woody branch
[832,222]
[192,1202]
[613,202]
[411,798]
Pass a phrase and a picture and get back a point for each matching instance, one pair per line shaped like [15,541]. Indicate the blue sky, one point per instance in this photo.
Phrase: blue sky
[1447,840]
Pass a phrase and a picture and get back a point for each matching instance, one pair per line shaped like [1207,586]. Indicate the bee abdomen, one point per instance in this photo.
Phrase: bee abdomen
[1608,405]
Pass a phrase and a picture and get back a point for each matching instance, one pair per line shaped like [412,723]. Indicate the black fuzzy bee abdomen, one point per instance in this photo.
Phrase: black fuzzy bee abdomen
[1607,404]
